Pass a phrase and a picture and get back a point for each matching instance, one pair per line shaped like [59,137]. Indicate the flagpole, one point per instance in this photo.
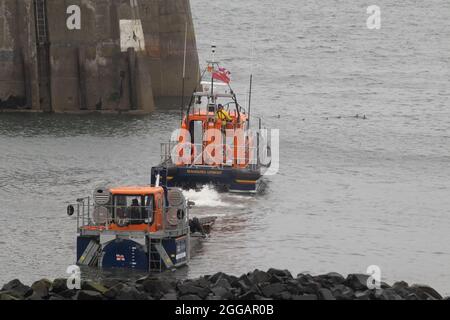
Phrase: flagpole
[252,60]
[213,55]
[184,70]
[250,100]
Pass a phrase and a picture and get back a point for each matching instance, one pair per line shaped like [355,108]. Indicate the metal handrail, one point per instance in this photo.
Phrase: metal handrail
[86,215]
[250,161]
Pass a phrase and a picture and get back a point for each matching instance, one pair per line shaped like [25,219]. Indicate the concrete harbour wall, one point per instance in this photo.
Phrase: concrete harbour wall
[126,54]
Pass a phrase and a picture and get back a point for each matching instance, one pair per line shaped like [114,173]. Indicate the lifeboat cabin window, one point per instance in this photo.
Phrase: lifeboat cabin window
[133,210]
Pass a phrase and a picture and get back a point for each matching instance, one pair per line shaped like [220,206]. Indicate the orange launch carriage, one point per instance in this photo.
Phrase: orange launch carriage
[214,144]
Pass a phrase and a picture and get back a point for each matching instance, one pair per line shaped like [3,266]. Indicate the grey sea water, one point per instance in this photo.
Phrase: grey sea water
[350,192]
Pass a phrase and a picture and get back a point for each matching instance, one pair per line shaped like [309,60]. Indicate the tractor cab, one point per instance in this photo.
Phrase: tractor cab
[139,227]
[124,210]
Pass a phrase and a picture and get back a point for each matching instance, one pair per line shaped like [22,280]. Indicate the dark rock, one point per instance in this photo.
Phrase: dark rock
[220,275]
[68,294]
[324,282]
[172,296]
[190,297]
[189,289]
[309,288]
[36,297]
[232,279]
[293,287]
[423,290]
[272,290]
[6,296]
[402,289]
[41,289]
[330,280]
[357,281]
[203,282]
[257,285]
[334,277]
[142,296]
[131,293]
[142,280]
[306,290]
[259,277]
[110,282]
[140,288]
[17,289]
[11,285]
[89,295]
[225,284]
[420,294]
[242,285]
[222,292]
[158,288]
[250,295]
[305,297]
[400,285]
[113,292]
[305,277]
[307,284]
[285,295]
[342,292]
[387,294]
[59,285]
[285,274]
[325,294]
[363,295]
[412,296]
[276,279]
[93,286]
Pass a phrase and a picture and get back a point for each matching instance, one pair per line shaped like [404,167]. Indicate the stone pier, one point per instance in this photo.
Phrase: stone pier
[94,55]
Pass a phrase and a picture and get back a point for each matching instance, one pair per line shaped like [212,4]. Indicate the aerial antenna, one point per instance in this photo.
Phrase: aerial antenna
[184,70]
[213,62]
[251,74]
[213,54]
[250,100]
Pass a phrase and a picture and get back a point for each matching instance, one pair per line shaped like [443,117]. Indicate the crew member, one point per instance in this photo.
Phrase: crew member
[136,214]
[223,115]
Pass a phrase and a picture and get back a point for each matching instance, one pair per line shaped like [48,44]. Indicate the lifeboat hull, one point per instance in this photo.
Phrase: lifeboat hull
[226,178]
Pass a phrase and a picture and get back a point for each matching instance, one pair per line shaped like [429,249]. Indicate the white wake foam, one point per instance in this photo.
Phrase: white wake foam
[206,197]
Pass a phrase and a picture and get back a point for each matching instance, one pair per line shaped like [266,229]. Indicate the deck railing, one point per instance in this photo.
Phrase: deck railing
[102,217]
[247,156]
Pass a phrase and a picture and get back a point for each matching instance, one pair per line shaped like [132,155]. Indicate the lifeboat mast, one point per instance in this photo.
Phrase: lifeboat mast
[211,67]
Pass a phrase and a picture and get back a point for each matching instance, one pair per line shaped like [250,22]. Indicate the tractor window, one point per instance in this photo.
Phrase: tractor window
[133,210]
[148,210]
